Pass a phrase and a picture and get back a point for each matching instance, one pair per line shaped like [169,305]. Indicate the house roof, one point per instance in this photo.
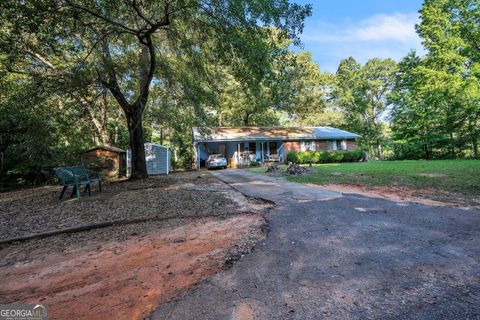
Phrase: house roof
[269,133]
[109,148]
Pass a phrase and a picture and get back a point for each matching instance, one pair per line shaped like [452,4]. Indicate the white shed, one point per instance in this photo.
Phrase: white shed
[157,157]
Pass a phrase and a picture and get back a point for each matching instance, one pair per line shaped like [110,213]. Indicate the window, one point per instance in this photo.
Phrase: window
[334,145]
[343,145]
[308,146]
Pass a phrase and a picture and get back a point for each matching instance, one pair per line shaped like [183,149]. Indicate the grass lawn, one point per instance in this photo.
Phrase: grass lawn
[462,176]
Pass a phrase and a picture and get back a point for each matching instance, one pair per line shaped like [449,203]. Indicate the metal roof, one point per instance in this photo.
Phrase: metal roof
[109,148]
[269,133]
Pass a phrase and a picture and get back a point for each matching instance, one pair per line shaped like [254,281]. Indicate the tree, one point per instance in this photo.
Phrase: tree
[101,39]
[361,93]
[450,30]
[415,119]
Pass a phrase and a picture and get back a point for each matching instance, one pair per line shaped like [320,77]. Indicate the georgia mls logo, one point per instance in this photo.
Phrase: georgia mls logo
[23,312]
[39,311]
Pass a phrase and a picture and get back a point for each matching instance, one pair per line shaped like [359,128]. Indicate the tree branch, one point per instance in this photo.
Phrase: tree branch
[146,72]
[112,83]
[134,5]
[110,21]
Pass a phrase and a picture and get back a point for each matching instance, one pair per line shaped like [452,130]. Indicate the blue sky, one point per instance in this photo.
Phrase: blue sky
[363,29]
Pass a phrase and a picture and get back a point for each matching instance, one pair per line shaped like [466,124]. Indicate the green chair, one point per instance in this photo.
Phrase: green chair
[76,177]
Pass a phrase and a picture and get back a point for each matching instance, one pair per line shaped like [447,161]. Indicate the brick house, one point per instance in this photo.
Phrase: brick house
[263,144]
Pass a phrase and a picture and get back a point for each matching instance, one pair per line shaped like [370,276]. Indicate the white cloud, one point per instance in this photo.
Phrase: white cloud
[382,27]
[397,27]
[382,36]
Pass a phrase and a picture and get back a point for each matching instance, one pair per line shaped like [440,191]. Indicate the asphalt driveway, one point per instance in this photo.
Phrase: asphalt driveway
[334,256]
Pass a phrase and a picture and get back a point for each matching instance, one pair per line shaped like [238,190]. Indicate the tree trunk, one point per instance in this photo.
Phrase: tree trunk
[135,129]
[452,145]
[427,153]
[379,150]
[102,131]
[246,120]
[475,147]
[98,116]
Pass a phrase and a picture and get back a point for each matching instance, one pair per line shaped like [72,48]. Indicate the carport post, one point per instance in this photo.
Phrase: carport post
[263,160]
[198,158]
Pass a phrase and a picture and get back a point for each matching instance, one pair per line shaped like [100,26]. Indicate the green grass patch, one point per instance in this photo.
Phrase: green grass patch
[462,176]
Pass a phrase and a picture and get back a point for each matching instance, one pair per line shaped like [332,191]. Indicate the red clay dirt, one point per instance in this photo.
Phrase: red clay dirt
[397,194]
[127,279]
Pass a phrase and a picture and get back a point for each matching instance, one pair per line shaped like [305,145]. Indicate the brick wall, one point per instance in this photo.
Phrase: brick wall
[321,145]
[292,146]
[351,145]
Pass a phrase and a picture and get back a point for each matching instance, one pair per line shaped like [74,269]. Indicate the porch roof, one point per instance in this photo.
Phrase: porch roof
[269,134]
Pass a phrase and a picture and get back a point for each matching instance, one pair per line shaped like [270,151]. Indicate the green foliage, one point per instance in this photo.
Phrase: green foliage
[361,92]
[173,65]
[436,98]
[307,157]
[292,156]
[222,65]
[254,163]
[457,176]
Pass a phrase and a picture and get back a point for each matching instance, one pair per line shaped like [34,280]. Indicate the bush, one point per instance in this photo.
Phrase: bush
[324,157]
[316,155]
[292,156]
[254,163]
[336,156]
[305,157]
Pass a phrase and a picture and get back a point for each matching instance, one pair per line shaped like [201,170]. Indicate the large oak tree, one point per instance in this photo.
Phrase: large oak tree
[119,45]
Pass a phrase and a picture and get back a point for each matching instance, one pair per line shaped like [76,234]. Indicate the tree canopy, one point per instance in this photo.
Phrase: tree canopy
[124,46]
[80,73]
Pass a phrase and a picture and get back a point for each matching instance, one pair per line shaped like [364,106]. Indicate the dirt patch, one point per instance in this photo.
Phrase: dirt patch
[399,194]
[182,195]
[192,228]
[432,175]
[124,279]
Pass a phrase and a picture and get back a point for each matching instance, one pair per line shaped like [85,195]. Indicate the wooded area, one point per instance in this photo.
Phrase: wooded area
[79,73]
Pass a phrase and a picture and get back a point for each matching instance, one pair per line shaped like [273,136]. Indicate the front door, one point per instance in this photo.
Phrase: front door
[273,147]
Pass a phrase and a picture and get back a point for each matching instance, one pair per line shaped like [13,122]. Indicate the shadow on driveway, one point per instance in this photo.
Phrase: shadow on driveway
[337,256]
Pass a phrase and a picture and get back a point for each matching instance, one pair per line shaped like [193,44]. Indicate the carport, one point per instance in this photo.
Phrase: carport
[237,149]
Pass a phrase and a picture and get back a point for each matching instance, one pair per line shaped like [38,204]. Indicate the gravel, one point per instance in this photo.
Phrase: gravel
[177,196]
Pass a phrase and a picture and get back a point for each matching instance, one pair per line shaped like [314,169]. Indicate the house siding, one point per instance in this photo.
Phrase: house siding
[321,145]
[351,145]
[292,146]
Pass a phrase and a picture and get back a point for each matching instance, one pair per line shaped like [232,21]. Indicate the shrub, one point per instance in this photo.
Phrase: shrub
[254,163]
[292,156]
[316,157]
[305,157]
[357,155]
[336,156]
[324,157]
